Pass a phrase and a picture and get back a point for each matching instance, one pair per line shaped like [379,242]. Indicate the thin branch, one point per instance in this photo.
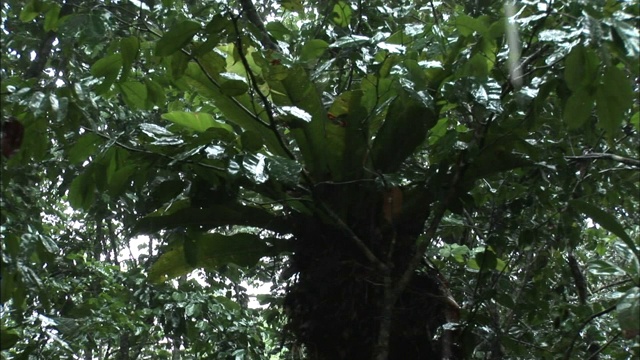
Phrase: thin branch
[143,151]
[363,247]
[606,156]
[585,323]
[263,98]
[252,15]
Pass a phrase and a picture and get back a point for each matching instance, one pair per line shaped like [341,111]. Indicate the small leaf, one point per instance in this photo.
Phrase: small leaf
[81,191]
[178,36]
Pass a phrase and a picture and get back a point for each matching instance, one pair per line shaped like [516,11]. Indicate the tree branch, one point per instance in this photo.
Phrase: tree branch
[606,156]
[252,15]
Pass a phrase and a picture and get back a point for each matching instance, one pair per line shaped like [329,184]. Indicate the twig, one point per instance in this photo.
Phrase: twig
[606,156]
[585,323]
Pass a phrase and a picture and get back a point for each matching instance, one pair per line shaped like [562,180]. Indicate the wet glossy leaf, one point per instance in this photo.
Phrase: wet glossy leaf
[313,49]
[196,121]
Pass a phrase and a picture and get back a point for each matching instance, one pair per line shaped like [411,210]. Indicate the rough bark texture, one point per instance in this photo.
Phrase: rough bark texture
[337,304]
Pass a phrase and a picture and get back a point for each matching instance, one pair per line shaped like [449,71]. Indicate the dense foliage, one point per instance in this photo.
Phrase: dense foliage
[412,179]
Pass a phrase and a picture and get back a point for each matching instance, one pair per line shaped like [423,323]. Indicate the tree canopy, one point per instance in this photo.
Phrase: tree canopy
[412,179]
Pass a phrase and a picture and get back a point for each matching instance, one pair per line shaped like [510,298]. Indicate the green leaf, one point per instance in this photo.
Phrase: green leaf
[211,217]
[195,121]
[155,94]
[29,11]
[209,251]
[614,97]
[8,338]
[603,267]
[578,109]
[51,18]
[404,129]
[313,49]
[251,141]
[84,147]
[628,312]
[234,109]
[177,37]
[341,15]
[134,94]
[234,85]
[81,191]
[108,67]
[605,220]
[129,48]
[467,25]
[630,37]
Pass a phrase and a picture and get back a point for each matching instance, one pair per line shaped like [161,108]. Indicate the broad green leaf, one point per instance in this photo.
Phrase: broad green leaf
[8,338]
[155,94]
[635,121]
[232,84]
[578,108]
[630,37]
[129,48]
[211,217]
[107,67]
[30,11]
[195,121]
[84,147]
[134,94]
[177,37]
[209,251]
[51,18]
[628,312]
[179,63]
[297,90]
[341,15]
[235,109]
[614,97]
[251,141]
[467,25]
[603,267]
[404,129]
[313,49]
[605,220]
[82,191]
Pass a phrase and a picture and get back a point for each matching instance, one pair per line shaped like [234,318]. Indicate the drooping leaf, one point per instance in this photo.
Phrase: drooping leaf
[211,217]
[628,312]
[84,147]
[134,94]
[210,251]
[403,130]
[195,121]
[605,220]
[578,108]
[313,49]
[613,98]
